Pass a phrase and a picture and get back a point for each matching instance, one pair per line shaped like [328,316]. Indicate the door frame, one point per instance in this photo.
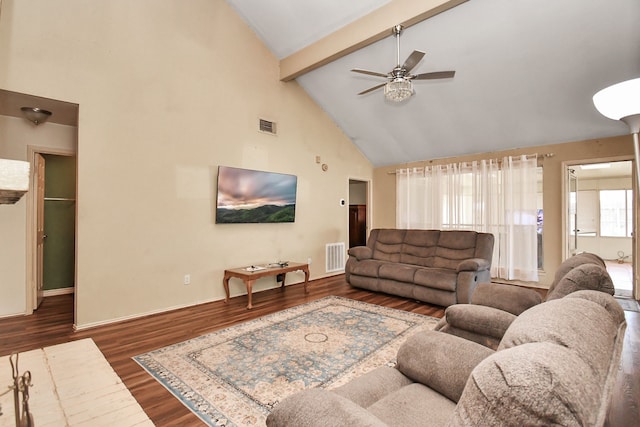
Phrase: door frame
[635,256]
[368,204]
[567,222]
[32,224]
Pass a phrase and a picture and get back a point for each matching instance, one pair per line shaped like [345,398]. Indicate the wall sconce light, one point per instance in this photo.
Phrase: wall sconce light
[35,114]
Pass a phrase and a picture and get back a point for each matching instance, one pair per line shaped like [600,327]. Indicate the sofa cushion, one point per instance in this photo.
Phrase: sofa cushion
[534,384]
[397,271]
[419,247]
[367,389]
[388,245]
[306,407]
[414,405]
[570,263]
[453,247]
[437,278]
[577,324]
[426,358]
[612,306]
[366,267]
[582,277]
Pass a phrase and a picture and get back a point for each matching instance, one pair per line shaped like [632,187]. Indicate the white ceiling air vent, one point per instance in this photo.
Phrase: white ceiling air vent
[267,126]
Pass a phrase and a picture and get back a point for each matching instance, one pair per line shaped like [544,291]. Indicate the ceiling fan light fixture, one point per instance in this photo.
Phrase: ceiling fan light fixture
[398,90]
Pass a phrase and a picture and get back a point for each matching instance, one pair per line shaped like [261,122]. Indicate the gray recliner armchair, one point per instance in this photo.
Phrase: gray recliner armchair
[556,365]
[495,306]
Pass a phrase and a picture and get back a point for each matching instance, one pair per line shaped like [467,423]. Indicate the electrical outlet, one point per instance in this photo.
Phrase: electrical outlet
[187,279]
[309,260]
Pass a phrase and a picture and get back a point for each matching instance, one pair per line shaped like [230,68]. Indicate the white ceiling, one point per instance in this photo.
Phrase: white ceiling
[287,26]
[525,72]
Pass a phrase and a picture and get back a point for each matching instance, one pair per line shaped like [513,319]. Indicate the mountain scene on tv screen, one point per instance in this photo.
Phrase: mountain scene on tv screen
[248,196]
[269,213]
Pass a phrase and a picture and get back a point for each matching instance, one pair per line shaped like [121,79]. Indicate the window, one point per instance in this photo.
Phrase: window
[502,198]
[616,213]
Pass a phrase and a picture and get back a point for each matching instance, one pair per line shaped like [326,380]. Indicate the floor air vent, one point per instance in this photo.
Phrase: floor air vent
[267,126]
[335,257]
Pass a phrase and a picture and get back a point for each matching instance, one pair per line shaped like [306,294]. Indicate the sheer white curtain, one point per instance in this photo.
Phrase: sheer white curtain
[483,196]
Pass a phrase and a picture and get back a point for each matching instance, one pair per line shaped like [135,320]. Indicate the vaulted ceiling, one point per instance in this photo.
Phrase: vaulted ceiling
[526,70]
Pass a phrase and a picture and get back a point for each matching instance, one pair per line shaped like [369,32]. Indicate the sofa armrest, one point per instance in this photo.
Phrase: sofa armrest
[474,264]
[318,407]
[509,298]
[440,361]
[361,252]
[479,319]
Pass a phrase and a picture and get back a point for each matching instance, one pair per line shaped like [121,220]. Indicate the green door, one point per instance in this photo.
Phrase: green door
[59,222]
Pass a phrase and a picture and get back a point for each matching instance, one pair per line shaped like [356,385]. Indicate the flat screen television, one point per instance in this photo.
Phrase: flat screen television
[250,196]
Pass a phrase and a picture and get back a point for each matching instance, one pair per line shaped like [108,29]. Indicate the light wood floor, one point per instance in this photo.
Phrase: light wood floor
[52,324]
[622,276]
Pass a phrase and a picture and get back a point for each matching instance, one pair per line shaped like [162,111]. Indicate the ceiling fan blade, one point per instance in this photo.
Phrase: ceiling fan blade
[436,75]
[412,60]
[371,89]
[371,73]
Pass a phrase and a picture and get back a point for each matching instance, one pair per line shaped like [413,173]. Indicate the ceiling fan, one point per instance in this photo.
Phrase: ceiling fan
[399,86]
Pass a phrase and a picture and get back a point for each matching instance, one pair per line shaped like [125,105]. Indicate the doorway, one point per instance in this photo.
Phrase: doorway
[358,202]
[59,210]
[53,224]
[24,138]
[600,214]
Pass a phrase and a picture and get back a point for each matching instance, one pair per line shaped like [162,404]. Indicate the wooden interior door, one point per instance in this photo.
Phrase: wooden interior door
[40,234]
[357,225]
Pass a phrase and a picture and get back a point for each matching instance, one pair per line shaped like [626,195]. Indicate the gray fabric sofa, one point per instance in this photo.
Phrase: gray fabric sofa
[494,306]
[556,365]
[438,267]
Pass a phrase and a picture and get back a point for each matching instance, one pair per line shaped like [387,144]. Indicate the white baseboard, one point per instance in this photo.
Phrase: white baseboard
[138,315]
[60,291]
[177,307]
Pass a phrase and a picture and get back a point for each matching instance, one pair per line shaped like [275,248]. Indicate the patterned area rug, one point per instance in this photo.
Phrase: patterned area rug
[235,376]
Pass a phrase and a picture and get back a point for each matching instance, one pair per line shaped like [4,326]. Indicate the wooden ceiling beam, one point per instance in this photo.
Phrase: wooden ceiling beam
[363,32]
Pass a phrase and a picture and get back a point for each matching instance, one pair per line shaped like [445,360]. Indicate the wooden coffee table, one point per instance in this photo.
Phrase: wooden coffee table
[250,277]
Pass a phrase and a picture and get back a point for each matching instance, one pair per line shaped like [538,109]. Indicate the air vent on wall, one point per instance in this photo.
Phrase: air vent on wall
[267,126]
[335,256]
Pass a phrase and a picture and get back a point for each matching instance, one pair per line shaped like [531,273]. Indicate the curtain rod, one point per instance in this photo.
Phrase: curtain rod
[528,156]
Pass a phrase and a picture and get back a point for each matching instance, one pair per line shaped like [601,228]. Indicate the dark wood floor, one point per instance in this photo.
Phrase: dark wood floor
[52,324]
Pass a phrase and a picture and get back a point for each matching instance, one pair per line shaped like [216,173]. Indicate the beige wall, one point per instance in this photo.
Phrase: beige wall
[16,135]
[168,92]
[617,148]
